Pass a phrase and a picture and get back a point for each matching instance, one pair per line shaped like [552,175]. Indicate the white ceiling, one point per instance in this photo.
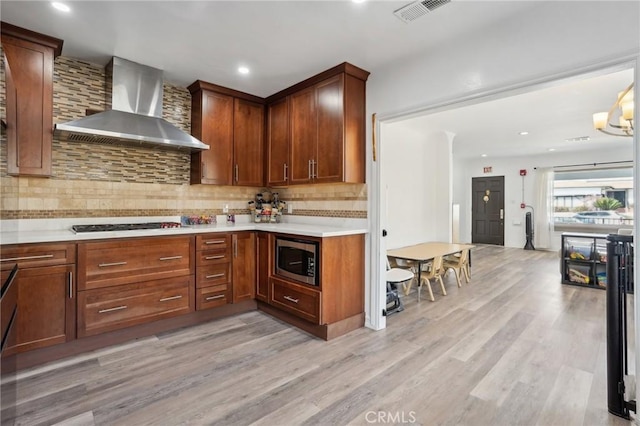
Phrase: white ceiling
[284,42]
[550,115]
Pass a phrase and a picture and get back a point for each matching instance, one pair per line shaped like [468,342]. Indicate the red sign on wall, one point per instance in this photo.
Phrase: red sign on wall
[487,169]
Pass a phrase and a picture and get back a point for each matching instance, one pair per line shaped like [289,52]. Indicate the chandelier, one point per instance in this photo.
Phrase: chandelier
[623,109]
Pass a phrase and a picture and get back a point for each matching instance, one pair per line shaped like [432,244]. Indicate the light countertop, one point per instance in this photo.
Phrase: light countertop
[303,229]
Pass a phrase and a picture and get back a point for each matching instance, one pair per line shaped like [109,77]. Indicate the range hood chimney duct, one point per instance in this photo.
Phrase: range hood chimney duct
[134,116]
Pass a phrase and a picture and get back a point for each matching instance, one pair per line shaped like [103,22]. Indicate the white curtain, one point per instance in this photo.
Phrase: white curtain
[543,208]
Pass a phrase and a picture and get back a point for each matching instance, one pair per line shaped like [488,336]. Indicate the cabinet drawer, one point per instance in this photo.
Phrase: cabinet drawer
[207,276]
[105,264]
[213,241]
[113,308]
[296,299]
[213,257]
[36,255]
[211,297]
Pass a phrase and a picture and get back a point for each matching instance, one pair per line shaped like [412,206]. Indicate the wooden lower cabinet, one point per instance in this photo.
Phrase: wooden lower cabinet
[46,311]
[331,309]
[264,259]
[112,308]
[45,286]
[244,266]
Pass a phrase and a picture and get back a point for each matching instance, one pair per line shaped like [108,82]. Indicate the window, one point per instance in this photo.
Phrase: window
[599,197]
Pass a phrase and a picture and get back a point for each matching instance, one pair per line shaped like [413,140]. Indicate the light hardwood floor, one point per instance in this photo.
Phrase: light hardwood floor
[513,347]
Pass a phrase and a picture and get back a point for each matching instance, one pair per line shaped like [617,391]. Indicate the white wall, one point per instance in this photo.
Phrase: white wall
[418,169]
[509,167]
[554,39]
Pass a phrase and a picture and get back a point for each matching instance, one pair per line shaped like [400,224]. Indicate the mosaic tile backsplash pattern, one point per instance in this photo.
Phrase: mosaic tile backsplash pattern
[95,180]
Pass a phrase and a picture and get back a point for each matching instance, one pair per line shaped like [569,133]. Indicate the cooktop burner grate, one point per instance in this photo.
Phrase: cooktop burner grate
[124,226]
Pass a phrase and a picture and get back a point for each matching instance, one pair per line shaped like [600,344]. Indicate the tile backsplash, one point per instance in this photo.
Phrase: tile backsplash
[94,180]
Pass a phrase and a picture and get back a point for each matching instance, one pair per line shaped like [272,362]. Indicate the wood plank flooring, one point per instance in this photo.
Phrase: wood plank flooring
[513,347]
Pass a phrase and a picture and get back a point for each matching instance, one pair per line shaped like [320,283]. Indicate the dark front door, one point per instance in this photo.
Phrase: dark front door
[487,216]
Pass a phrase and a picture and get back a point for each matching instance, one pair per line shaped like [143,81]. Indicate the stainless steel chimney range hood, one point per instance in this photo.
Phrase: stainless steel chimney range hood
[134,93]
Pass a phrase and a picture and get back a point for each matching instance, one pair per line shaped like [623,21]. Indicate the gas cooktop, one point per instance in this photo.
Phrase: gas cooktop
[124,226]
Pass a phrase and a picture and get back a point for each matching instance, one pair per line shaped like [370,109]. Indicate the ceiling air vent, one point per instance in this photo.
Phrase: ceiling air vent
[413,11]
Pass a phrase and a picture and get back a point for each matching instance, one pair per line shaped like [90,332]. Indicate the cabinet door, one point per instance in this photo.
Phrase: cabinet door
[213,124]
[244,266]
[264,259]
[329,158]
[304,135]
[248,139]
[278,143]
[29,90]
[46,307]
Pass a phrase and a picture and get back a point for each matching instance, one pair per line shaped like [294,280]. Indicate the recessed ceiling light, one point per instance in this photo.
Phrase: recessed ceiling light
[358,1]
[483,155]
[578,139]
[525,133]
[243,70]
[61,6]
[552,149]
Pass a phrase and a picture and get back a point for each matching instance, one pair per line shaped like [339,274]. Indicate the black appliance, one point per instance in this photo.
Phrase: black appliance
[124,226]
[298,260]
[528,224]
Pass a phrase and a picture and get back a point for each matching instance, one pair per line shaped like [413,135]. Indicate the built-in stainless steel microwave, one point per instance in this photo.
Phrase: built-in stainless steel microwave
[298,260]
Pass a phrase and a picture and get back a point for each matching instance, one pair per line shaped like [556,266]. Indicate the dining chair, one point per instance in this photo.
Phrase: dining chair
[434,270]
[460,265]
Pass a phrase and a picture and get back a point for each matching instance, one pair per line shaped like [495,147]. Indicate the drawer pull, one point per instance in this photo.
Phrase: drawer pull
[171,258]
[215,242]
[117,308]
[214,276]
[102,265]
[220,296]
[41,256]
[214,257]
[164,299]
[291,299]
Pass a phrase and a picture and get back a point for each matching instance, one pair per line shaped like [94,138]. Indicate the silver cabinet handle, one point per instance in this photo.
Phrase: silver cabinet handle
[235,246]
[41,256]
[102,265]
[202,170]
[313,169]
[214,257]
[164,299]
[236,173]
[214,276]
[215,242]
[285,171]
[171,258]
[220,296]
[70,285]
[291,299]
[309,169]
[117,308]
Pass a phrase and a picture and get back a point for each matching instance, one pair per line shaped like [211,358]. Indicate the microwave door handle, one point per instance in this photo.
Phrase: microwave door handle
[298,262]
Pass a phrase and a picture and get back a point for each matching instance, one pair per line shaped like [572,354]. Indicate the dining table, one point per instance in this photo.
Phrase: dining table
[424,252]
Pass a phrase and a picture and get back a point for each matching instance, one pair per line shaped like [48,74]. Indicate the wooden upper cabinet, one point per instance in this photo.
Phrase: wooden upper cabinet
[248,143]
[212,123]
[326,128]
[232,124]
[28,59]
[328,164]
[278,143]
[304,135]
